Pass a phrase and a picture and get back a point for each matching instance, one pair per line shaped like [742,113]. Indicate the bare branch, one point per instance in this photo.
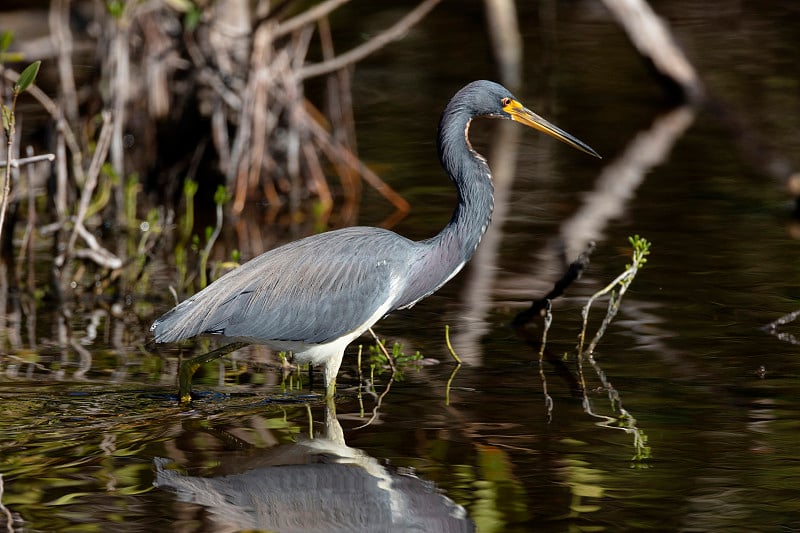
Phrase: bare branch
[573,273]
[379,41]
[89,186]
[16,163]
[308,16]
[651,36]
[335,149]
[58,20]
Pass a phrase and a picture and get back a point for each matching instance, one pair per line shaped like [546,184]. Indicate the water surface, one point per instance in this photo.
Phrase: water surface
[88,431]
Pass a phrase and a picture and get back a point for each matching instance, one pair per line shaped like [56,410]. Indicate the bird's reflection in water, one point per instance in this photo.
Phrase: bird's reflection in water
[319,484]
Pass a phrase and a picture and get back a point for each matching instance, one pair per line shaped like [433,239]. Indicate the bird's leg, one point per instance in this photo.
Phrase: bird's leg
[331,370]
[333,429]
[330,390]
[189,367]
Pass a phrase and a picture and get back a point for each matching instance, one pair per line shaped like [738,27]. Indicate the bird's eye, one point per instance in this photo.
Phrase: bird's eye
[506,101]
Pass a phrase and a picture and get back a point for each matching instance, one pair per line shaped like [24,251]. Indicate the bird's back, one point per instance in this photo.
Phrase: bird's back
[310,291]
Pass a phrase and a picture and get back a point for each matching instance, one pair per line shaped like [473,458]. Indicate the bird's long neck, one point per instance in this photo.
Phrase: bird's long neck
[471,175]
[442,256]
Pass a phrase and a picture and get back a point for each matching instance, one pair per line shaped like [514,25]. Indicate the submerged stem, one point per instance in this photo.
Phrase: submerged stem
[449,345]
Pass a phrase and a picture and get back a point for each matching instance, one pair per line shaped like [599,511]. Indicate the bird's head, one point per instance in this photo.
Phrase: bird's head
[487,98]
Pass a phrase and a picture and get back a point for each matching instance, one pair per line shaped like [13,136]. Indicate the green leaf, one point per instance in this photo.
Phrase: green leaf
[5,40]
[221,196]
[116,8]
[8,118]
[27,77]
[181,5]
[69,498]
[11,57]
[190,188]
[192,18]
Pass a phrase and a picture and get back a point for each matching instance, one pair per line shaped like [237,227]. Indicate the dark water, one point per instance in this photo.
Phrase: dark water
[714,397]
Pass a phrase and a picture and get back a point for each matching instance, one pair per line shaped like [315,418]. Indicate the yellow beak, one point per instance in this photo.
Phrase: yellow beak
[523,115]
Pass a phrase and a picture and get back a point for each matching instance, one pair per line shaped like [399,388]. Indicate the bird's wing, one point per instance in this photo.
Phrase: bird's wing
[313,290]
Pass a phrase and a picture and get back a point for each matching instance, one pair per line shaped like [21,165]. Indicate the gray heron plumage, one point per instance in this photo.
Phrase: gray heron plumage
[314,296]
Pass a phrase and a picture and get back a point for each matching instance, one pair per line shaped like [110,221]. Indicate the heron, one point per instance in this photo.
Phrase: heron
[314,296]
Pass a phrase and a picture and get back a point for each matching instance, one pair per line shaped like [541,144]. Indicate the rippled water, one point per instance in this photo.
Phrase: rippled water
[97,441]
